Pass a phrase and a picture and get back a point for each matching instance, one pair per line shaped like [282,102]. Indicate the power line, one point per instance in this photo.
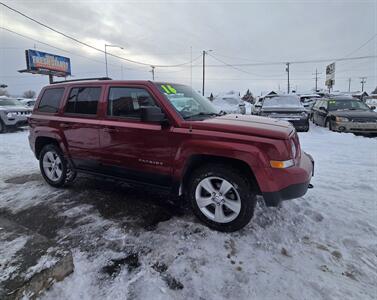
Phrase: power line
[297,61]
[233,66]
[367,42]
[54,47]
[90,46]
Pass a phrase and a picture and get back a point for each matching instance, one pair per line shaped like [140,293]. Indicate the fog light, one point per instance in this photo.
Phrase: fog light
[341,128]
[10,115]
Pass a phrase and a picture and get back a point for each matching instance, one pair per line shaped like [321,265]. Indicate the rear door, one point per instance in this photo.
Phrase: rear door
[131,148]
[80,126]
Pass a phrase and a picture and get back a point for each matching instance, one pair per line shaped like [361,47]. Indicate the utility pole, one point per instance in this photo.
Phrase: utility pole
[316,79]
[287,69]
[363,81]
[152,71]
[349,85]
[204,68]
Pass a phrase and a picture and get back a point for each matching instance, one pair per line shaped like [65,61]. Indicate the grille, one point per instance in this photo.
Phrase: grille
[364,120]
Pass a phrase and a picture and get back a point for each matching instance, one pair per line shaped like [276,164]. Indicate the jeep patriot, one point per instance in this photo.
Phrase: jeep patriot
[167,136]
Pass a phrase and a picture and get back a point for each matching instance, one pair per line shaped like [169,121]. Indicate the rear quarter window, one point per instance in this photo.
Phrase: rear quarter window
[50,100]
[83,100]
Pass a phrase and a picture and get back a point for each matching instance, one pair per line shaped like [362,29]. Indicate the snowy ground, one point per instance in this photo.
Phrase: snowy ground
[129,244]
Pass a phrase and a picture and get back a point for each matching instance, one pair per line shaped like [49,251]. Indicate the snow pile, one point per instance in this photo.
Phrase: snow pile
[321,246]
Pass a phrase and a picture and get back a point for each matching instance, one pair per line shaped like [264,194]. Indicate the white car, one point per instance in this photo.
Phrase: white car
[13,114]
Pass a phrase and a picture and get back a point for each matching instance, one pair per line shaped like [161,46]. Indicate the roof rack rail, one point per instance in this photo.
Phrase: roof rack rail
[82,79]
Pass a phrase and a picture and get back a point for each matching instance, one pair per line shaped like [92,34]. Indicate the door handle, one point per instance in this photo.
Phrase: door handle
[64,125]
[110,129]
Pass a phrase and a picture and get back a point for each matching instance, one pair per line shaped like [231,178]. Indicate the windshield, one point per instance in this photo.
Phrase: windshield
[10,102]
[347,105]
[282,101]
[186,101]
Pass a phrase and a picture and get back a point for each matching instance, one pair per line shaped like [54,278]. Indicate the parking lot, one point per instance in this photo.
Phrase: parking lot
[135,244]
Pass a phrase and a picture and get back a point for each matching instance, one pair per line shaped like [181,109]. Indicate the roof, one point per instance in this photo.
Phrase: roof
[97,81]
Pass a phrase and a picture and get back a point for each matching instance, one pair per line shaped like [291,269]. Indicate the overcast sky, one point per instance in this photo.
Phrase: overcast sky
[164,32]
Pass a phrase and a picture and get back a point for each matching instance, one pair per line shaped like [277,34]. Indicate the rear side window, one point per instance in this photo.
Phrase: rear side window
[83,100]
[50,100]
[126,102]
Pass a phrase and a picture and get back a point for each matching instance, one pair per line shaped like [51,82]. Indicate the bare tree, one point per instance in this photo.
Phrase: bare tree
[29,94]
[4,92]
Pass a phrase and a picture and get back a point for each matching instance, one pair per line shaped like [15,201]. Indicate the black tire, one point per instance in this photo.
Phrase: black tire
[243,186]
[2,127]
[328,124]
[68,174]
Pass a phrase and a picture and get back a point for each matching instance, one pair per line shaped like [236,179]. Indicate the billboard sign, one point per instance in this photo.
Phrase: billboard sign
[330,75]
[45,63]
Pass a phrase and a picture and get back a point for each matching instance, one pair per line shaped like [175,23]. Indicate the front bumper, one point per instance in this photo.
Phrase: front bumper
[298,178]
[16,121]
[300,124]
[354,127]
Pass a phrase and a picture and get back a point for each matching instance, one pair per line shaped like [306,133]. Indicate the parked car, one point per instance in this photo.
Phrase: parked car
[28,102]
[168,137]
[287,108]
[371,102]
[12,114]
[345,115]
[308,100]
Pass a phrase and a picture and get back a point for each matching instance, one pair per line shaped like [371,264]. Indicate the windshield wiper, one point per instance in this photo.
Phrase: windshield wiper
[202,114]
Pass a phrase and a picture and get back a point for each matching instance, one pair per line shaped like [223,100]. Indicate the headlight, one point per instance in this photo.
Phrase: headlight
[293,149]
[341,119]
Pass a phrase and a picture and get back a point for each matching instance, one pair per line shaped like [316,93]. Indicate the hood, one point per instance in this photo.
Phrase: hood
[354,113]
[246,124]
[15,108]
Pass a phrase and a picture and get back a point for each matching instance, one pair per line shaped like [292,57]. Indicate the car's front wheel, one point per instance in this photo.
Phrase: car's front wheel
[54,167]
[221,197]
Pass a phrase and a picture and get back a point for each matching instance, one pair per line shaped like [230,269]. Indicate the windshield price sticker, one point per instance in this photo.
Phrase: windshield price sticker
[168,89]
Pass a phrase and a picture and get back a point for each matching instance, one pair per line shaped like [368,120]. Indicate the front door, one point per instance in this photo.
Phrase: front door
[131,148]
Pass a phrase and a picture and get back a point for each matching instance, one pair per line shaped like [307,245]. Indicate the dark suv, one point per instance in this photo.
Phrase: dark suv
[168,137]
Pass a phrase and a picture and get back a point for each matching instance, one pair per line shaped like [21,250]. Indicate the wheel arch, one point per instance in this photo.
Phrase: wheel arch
[197,160]
[42,141]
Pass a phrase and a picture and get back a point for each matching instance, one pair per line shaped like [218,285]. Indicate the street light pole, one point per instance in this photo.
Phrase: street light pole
[114,46]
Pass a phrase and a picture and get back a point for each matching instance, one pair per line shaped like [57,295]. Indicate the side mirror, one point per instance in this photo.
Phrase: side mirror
[372,107]
[323,108]
[152,114]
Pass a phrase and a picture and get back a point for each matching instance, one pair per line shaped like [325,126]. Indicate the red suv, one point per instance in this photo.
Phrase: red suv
[166,136]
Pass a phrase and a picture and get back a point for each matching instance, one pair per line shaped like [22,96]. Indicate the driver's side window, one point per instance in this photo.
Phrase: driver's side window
[125,102]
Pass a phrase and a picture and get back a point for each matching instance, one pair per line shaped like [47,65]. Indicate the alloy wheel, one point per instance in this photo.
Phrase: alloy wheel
[52,166]
[218,199]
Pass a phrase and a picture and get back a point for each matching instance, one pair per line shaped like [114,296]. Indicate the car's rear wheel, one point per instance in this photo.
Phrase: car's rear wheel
[54,167]
[221,197]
